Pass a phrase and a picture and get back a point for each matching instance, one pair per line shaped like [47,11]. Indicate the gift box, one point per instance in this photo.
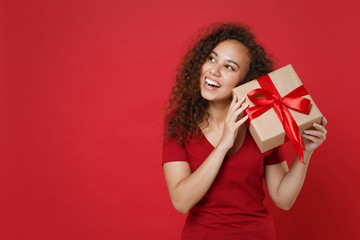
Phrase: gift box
[280,109]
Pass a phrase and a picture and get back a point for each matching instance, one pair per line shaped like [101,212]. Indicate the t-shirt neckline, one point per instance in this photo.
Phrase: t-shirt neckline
[211,147]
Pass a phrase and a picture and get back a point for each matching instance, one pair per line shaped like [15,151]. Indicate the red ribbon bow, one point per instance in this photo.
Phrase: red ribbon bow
[272,99]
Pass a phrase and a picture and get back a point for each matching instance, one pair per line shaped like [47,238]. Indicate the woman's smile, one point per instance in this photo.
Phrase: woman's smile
[211,84]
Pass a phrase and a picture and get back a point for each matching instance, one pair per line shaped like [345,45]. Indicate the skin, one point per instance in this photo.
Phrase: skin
[227,66]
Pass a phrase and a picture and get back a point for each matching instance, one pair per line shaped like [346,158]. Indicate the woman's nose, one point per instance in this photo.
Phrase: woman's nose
[215,70]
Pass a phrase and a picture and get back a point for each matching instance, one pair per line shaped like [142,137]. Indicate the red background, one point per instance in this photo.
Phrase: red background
[82,88]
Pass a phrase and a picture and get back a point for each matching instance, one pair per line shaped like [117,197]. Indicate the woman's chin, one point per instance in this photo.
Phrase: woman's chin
[215,99]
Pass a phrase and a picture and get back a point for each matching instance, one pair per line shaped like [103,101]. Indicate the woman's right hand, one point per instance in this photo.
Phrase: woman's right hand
[232,122]
[187,188]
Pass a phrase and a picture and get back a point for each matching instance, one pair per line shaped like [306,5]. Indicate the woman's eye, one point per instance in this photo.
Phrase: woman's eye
[212,59]
[229,67]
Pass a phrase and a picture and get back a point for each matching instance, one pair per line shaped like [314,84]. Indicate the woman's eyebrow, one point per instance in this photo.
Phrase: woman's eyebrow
[234,63]
[231,61]
[214,53]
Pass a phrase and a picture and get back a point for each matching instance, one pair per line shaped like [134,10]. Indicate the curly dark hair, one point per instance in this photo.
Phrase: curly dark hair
[186,107]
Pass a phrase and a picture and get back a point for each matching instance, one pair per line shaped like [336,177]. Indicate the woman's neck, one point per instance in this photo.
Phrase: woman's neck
[217,112]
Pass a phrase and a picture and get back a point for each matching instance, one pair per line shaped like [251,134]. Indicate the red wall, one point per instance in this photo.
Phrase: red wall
[82,88]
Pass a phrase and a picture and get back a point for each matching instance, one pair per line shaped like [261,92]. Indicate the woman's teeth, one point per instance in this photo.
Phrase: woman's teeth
[212,83]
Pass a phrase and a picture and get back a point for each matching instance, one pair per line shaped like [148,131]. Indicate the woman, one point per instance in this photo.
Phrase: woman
[213,168]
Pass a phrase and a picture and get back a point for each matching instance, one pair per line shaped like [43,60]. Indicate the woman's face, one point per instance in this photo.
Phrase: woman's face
[226,67]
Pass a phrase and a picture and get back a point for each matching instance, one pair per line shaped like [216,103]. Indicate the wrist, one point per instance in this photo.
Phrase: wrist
[307,156]
[222,148]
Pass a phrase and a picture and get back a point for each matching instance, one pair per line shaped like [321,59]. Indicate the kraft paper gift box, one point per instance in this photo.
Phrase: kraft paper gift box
[267,129]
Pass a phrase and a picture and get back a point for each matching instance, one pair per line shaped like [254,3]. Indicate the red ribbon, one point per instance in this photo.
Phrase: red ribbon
[272,99]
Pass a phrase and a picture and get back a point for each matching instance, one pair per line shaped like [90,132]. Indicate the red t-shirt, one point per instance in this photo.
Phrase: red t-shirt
[233,206]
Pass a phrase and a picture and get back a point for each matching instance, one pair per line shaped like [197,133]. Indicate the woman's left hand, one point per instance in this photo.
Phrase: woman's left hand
[315,137]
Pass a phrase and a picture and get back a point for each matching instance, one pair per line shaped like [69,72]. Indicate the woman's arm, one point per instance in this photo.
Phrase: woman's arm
[284,185]
[186,188]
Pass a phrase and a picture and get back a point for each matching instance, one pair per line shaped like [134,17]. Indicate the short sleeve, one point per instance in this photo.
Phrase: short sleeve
[276,156]
[173,150]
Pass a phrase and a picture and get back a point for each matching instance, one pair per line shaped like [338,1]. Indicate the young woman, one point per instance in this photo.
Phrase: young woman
[213,168]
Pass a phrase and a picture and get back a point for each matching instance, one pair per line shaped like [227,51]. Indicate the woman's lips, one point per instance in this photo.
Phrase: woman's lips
[211,84]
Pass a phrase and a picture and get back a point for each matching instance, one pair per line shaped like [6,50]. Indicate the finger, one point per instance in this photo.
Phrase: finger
[241,121]
[320,127]
[233,102]
[311,138]
[237,113]
[234,99]
[315,133]
[323,121]
[234,107]
[238,103]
